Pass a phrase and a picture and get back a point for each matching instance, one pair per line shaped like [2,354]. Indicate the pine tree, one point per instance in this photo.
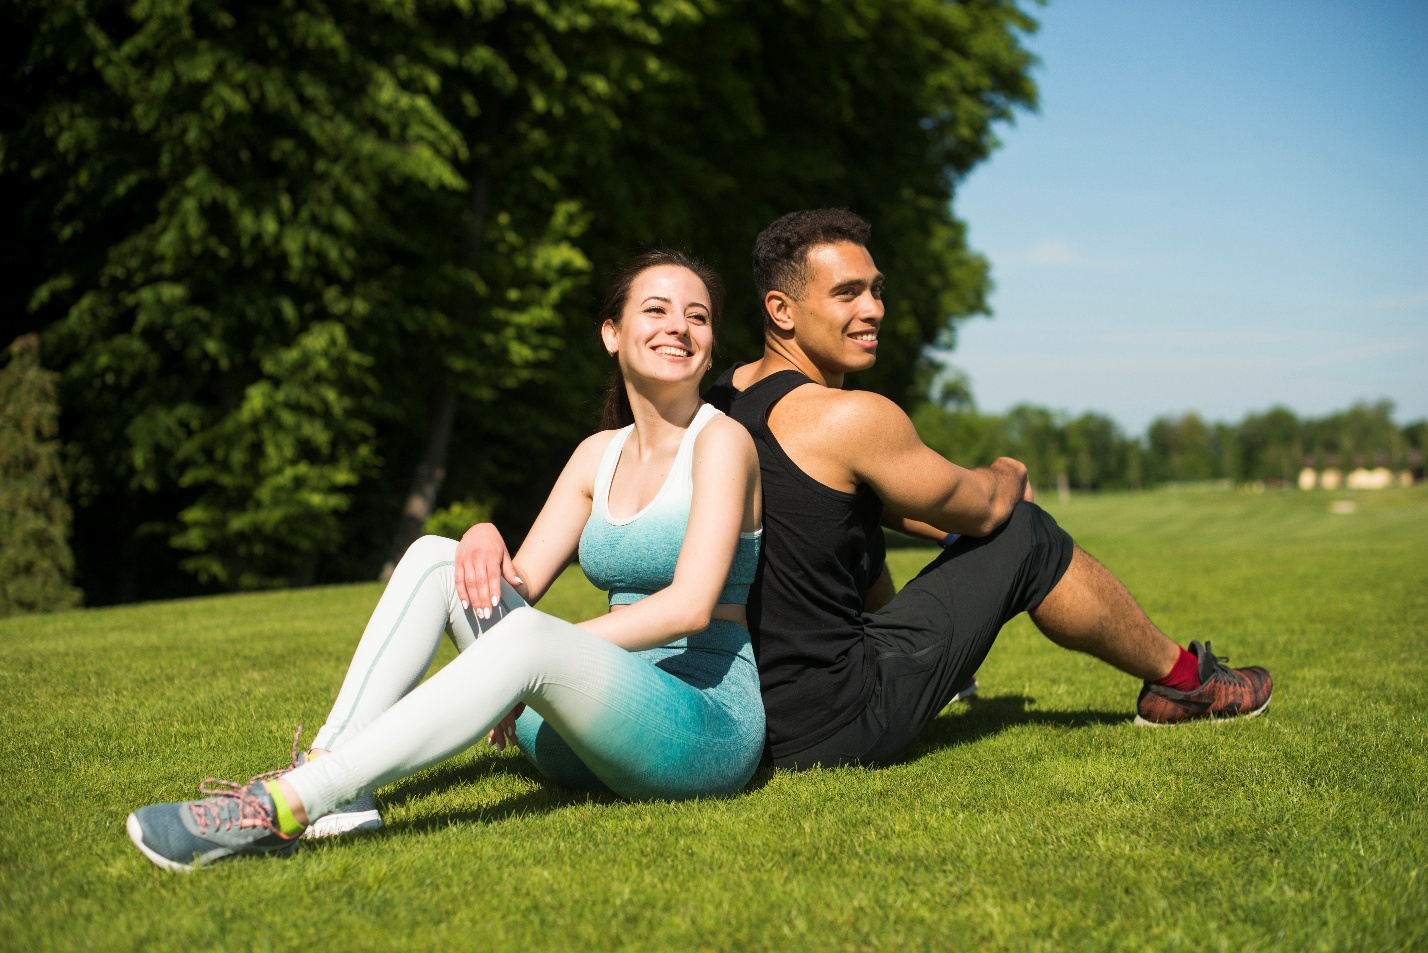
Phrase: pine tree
[35,559]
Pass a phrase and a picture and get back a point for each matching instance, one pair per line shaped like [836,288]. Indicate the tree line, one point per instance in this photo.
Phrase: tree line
[304,273]
[1092,452]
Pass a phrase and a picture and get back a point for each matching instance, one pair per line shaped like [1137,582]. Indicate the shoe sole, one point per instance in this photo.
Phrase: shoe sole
[1213,718]
[136,834]
[334,825]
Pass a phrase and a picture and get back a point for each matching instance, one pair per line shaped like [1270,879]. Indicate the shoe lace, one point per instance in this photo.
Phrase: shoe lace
[1220,661]
[229,804]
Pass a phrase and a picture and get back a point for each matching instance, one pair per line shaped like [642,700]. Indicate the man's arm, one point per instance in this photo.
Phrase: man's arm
[913,528]
[880,447]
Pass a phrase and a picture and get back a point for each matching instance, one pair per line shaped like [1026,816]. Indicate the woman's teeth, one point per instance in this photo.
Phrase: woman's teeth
[672,351]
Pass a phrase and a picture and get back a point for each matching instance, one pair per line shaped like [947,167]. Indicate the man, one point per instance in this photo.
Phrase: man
[849,681]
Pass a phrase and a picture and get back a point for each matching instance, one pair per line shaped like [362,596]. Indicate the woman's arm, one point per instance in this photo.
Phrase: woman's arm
[482,558]
[726,487]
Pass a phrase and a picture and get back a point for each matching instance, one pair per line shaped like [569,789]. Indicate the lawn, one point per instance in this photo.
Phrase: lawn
[1034,817]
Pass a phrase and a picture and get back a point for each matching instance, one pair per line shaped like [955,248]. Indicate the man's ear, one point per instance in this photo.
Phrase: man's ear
[609,336]
[780,309]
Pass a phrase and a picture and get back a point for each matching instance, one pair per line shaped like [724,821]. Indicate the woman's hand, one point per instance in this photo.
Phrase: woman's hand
[482,561]
[505,731]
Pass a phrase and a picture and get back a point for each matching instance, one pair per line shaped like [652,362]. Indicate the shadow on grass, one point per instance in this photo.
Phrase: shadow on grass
[981,718]
[546,798]
[984,717]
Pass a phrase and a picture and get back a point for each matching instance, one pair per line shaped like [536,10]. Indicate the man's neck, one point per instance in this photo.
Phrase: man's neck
[779,356]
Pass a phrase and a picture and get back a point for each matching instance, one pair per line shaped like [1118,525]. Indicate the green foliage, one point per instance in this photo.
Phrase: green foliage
[36,564]
[1035,817]
[453,521]
[1092,452]
[277,249]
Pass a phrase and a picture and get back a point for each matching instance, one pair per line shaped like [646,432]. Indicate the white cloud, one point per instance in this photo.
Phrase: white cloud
[1055,253]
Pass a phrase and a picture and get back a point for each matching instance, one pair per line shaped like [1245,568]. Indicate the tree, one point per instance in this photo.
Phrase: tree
[232,232]
[1180,449]
[307,267]
[1270,446]
[36,565]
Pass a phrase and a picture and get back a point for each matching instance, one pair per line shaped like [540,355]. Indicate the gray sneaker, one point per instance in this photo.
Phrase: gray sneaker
[360,814]
[186,835]
[966,691]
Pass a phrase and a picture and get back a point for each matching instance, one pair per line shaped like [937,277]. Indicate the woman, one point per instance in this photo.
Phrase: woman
[657,698]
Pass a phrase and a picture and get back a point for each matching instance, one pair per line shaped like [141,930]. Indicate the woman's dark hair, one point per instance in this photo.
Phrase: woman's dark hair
[612,308]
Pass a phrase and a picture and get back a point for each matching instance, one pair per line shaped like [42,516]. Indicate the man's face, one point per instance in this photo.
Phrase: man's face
[836,320]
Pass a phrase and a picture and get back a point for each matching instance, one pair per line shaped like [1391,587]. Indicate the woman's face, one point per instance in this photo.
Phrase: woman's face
[665,333]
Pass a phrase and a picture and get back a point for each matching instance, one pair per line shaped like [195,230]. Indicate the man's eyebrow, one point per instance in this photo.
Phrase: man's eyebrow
[857,283]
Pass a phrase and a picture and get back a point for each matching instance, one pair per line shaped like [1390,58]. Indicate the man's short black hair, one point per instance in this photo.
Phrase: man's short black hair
[781,250]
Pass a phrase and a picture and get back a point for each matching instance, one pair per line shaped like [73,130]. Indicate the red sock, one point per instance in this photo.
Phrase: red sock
[1184,674]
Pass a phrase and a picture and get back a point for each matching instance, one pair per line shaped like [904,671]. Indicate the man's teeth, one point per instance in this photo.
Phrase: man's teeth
[866,336]
[672,351]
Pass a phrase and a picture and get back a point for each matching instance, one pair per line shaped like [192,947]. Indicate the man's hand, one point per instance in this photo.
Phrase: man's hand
[505,731]
[1013,484]
[482,561]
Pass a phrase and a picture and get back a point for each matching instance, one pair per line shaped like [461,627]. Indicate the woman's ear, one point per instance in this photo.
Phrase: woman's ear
[611,336]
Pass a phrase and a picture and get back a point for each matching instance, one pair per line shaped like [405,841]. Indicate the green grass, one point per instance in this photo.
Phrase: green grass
[1035,817]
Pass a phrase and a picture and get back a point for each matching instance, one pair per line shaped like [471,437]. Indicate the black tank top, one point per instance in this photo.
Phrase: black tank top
[821,549]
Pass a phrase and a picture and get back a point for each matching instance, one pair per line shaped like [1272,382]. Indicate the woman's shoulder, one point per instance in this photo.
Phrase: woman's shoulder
[587,456]
[724,436]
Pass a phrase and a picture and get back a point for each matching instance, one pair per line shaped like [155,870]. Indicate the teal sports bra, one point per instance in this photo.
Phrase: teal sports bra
[632,558]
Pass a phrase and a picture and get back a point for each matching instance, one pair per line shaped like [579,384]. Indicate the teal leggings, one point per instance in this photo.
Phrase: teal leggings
[677,722]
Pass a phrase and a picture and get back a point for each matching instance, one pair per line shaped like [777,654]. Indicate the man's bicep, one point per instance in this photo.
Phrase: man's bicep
[911,479]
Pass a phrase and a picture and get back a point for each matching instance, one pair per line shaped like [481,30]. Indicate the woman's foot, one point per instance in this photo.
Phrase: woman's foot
[361,814]
[186,835]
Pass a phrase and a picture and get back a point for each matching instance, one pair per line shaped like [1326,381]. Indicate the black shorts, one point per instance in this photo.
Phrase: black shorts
[931,638]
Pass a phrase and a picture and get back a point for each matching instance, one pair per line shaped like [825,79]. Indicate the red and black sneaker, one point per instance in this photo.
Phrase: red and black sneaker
[1224,692]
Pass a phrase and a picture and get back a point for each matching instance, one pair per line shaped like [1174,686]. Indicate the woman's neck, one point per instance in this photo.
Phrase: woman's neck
[661,419]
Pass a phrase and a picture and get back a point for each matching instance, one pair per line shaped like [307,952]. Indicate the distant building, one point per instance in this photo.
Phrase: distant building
[1379,478]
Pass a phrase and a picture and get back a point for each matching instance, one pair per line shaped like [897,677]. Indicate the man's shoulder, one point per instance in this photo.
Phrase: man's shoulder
[842,412]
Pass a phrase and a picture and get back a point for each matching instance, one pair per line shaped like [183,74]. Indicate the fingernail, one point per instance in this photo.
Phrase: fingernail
[464,605]
[520,581]
[495,601]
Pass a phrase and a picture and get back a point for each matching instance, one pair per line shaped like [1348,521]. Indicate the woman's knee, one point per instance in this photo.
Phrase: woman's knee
[430,550]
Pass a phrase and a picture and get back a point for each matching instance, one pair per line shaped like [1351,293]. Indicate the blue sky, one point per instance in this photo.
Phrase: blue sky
[1219,207]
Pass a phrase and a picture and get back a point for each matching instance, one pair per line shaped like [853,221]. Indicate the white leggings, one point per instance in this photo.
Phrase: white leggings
[640,730]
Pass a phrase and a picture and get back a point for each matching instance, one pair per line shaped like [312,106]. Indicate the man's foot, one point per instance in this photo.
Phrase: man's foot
[1224,692]
[185,835]
[359,815]
[966,691]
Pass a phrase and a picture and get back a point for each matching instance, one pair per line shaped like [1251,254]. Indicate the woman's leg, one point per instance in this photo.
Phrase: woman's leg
[402,637]
[642,731]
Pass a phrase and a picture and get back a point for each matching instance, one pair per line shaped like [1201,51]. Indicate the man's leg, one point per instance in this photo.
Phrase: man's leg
[1090,611]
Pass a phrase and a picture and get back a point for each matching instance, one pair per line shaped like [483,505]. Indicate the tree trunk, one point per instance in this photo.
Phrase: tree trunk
[430,472]
[431,467]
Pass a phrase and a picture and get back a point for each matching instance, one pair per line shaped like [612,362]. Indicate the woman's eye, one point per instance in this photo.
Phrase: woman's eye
[701,318]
